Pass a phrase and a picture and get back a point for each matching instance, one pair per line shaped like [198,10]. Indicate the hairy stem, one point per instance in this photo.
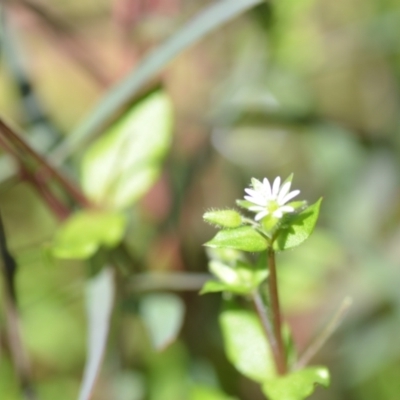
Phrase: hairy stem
[276,312]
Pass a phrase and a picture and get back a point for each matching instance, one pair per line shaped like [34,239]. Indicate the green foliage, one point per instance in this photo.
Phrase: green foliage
[168,374]
[207,393]
[223,218]
[100,293]
[163,315]
[297,385]
[297,228]
[120,166]
[86,231]
[245,344]
[244,238]
[241,279]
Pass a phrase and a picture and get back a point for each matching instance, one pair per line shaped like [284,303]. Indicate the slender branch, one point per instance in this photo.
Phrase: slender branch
[276,312]
[23,151]
[267,326]
[317,343]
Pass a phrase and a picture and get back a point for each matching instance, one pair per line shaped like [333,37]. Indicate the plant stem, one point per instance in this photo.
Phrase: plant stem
[276,313]
[266,324]
[23,152]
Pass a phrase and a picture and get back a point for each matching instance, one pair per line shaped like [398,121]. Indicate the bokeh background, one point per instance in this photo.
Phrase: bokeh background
[306,86]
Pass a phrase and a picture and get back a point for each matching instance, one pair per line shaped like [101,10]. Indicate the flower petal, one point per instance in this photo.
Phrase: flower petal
[286,209]
[255,194]
[278,213]
[283,192]
[267,188]
[261,215]
[257,208]
[275,187]
[256,200]
[290,196]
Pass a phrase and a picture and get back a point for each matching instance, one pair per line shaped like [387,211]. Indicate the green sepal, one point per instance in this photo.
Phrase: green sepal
[244,204]
[244,238]
[223,218]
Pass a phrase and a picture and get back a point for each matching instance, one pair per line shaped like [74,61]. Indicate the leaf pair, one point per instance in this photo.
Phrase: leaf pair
[249,352]
[116,171]
[295,230]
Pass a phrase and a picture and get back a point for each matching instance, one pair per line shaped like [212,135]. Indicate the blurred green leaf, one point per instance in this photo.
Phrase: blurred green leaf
[168,373]
[212,17]
[207,393]
[163,314]
[215,287]
[100,293]
[299,228]
[129,385]
[122,165]
[245,344]
[241,278]
[244,238]
[223,218]
[86,231]
[297,385]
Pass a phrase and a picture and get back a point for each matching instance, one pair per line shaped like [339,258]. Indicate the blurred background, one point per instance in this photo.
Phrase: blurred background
[307,86]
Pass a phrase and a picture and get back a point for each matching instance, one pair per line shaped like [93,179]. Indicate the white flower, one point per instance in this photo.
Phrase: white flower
[270,200]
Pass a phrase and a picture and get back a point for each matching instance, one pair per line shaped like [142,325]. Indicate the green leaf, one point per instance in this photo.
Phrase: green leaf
[214,287]
[227,256]
[244,238]
[122,165]
[297,385]
[162,314]
[241,278]
[207,393]
[209,19]
[297,228]
[100,293]
[245,344]
[86,231]
[223,218]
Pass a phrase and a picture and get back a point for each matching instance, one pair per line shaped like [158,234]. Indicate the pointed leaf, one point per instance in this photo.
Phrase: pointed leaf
[245,344]
[241,279]
[297,385]
[86,231]
[162,314]
[99,302]
[297,228]
[122,165]
[244,238]
[223,218]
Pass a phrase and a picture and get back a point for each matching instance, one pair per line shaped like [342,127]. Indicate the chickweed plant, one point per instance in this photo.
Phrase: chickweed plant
[243,260]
